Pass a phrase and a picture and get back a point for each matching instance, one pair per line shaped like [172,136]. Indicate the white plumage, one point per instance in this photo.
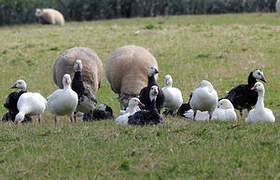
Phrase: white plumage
[63,101]
[172,96]
[260,113]
[204,98]
[130,110]
[30,104]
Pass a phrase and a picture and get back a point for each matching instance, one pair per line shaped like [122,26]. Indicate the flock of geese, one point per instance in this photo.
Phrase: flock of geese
[203,104]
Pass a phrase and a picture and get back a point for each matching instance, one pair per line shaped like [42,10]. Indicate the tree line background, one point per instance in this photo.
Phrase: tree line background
[22,11]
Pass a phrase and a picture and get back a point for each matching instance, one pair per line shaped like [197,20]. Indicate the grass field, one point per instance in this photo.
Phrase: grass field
[220,48]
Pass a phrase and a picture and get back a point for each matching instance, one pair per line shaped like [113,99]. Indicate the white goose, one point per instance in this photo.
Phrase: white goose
[63,101]
[30,104]
[223,112]
[131,109]
[172,96]
[260,113]
[204,98]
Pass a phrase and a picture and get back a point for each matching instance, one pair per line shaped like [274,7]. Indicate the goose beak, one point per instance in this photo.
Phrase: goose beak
[14,86]
[263,79]
[141,104]
[156,71]
[68,81]
[253,88]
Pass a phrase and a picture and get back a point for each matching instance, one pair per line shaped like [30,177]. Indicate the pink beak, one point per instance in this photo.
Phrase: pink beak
[68,81]
[253,88]
[263,79]
[141,104]
[14,86]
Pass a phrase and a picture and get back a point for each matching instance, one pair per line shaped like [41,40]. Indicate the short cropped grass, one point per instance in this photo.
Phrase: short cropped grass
[220,48]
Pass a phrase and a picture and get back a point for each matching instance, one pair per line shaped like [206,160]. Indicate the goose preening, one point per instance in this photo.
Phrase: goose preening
[63,101]
[30,104]
[131,109]
[242,97]
[184,107]
[172,96]
[144,96]
[260,113]
[103,111]
[86,98]
[147,117]
[204,98]
[12,100]
[223,112]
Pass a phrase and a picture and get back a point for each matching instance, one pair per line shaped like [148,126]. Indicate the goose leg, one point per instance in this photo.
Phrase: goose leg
[55,120]
[75,116]
[241,113]
[39,118]
[194,114]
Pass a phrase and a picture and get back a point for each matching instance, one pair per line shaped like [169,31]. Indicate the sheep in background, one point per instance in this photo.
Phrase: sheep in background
[277,5]
[50,16]
[92,67]
[127,69]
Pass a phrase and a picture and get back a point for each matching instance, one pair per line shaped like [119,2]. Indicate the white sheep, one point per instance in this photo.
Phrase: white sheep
[127,69]
[50,16]
[92,67]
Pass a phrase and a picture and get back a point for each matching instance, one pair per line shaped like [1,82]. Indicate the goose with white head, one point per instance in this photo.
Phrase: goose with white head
[63,101]
[242,97]
[260,113]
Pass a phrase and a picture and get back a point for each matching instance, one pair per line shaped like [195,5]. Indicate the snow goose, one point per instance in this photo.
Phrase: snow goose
[204,98]
[172,96]
[260,113]
[87,100]
[131,109]
[103,111]
[63,101]
[147,117]
[30,104]
[241,96]
[224,111]
[144,93]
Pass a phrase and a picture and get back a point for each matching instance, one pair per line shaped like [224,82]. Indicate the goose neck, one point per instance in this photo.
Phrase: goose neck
[251,80]
[151,81]
[260,102]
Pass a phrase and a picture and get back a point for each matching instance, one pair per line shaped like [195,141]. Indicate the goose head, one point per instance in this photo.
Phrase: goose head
[134,102]
[225,104]
[101,107]
[168,81]
[78,66]
[258,87]
[66,81]
[152,71]
[153,93]
[205,83]
[20,84]
[258,74]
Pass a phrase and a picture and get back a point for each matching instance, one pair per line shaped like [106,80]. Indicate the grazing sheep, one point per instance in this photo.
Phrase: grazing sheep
[277,5]
[50,16]
[126,71]
[92,67]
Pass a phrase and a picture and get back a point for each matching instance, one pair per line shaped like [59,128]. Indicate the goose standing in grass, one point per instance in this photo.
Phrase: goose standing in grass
[63,101]
[204,98]
[144,96]
[131,109]
[103,111]
[30,104]
[172,96]
[260,113]
[12,100]
[242,97]
[87,100]
[147,117]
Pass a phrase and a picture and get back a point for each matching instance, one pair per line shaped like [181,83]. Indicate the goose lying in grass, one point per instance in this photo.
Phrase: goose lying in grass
[172,96]
[131,109]
[63,101]
[147,117]
[87,100]
[204,98]
[260,113]
[12,100]
[103,111]
[241,96]
[30,104]
[223,112]
[144,93]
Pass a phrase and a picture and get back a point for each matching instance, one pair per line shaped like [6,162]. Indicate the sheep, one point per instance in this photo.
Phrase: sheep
[50,16]
[92,67]
[277,5]
[127,69]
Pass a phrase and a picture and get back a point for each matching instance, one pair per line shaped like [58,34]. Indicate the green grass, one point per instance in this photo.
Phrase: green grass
[220,48]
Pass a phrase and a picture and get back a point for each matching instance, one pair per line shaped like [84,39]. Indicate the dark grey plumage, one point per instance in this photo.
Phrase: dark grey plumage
[103,111]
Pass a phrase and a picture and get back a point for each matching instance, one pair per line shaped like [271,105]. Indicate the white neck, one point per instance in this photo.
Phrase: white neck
[132,109]
[66,86]
[260,102]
